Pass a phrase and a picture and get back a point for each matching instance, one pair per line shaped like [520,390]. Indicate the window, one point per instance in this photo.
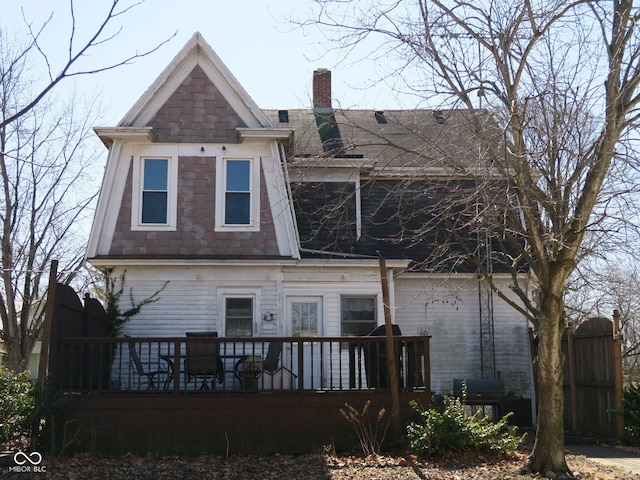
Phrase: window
[154,200]
[305,315]
[237,194]
[155,192]
[239,316]
[358,315]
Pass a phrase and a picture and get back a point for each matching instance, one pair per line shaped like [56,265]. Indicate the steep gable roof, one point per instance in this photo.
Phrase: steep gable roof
[195,54]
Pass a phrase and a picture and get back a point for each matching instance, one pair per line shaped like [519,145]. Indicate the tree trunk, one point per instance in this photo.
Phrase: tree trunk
[548,450]
[15,360]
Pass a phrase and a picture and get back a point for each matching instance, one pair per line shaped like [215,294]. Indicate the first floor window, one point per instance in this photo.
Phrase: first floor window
[239,316]
[358,316]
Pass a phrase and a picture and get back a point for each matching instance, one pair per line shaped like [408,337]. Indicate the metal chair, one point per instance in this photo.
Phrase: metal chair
[255,373]
[149,375]
[273,357]
[202,360]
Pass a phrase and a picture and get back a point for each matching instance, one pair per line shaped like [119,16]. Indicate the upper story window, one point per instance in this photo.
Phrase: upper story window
[238,194]
[154,194]
[155,190]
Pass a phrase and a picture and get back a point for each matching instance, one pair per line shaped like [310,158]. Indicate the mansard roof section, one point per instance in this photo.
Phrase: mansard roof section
[196,55]
[405,141]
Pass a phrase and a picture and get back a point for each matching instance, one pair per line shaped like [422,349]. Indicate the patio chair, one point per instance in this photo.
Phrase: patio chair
[148,376]
[202,359]
[273,357]
[250,366]
[252,371]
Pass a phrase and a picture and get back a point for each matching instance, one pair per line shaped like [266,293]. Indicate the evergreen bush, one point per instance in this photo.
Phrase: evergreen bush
[17,408]
[452,429]
[631,412]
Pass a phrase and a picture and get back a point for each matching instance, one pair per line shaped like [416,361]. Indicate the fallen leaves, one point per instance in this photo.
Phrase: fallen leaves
[321,466]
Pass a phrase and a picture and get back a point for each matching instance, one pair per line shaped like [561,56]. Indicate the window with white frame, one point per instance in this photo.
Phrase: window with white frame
[154,194]
[238,194]
[239,313]
[358,315]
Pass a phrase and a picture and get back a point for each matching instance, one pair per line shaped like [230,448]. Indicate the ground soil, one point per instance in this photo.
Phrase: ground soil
[321,466]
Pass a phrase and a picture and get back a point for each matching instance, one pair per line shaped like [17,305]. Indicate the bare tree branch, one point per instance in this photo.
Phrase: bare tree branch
[75,54]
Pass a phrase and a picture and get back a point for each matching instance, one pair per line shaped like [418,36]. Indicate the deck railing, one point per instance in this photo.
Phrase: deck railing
[222,364]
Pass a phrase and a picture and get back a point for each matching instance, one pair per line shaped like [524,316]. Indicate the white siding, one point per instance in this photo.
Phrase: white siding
[444,307]
[189,302]
[448,310]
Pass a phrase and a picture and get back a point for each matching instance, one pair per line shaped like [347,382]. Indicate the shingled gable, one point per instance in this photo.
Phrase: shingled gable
[196,112]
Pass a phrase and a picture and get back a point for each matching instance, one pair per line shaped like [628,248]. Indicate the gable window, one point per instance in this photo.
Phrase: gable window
[154,194]
[237,194]
[358,315]
[155,190]
[238,316]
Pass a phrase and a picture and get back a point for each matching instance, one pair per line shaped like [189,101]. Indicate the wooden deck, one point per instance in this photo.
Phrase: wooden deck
[294,409]
[249,423]
[187,364]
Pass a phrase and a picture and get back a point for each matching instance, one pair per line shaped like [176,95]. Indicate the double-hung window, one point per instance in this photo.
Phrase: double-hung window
[155,191]
[154,194]
[239,316]
[358,316]
[237,194]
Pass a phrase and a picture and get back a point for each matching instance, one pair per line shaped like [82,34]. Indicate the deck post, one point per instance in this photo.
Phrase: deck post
[391,353]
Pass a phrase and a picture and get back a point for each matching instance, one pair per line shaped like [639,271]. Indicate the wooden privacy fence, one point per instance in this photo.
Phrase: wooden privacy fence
[71,317]
[592,378]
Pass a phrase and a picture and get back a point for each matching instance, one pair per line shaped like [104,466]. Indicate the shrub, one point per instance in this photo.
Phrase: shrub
[631,412]
[17,407]
[453,430]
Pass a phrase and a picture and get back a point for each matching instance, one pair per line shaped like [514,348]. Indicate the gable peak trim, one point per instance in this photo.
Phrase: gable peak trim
[196,52]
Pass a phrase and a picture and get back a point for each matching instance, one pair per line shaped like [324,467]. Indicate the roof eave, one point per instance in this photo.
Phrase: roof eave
[138,134]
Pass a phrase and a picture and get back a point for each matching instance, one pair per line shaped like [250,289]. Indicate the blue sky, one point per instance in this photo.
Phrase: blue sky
[272,59]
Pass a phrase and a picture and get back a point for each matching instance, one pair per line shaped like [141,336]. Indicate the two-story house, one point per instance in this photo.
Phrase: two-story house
[271,222]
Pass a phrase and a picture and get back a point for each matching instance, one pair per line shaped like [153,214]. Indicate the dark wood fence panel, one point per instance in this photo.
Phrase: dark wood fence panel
[589,378]
[71,366]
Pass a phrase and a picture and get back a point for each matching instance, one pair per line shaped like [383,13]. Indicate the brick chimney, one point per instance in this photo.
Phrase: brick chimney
[322,88]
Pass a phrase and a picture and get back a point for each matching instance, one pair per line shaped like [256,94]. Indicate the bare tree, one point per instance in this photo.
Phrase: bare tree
[561,79]
[46,163]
